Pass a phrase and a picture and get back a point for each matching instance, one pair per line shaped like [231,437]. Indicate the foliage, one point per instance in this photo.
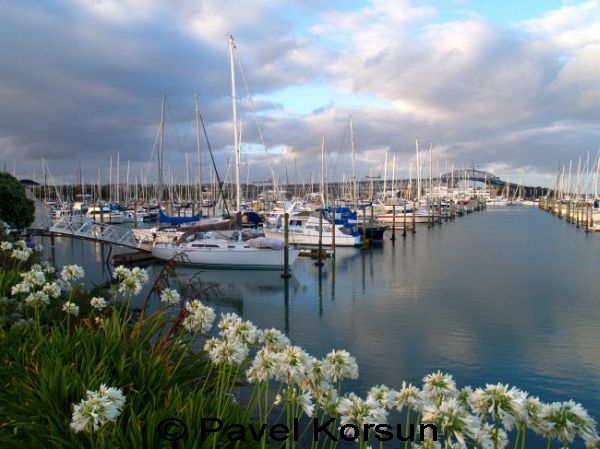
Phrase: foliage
[15,208]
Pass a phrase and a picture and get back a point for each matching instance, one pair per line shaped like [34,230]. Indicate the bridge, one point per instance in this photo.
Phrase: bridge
[94,231]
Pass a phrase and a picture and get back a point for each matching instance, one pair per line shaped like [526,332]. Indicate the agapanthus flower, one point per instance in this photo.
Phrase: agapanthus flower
[38,248]
[451,418]
[199,318]
[339,365]
[6,246]
[170,297]
[294,364]
[565,420]
[307,404]
[357,411]
[71,273]
[98,303]
[264,366]
[71,308]
[22,287]
[234,328]
[21,254]
[273,339]
[438,386]
[36,278]
[52,289]
[501,403]
[97,409]
[382,394]
[226,352]
[37,299]
[21,244]
[130,286]
[428,443]
[533,408]
[47,267]
[140,275]
[410,397]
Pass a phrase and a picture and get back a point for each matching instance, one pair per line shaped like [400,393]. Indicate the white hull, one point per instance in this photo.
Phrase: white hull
[304,237]
[231,255]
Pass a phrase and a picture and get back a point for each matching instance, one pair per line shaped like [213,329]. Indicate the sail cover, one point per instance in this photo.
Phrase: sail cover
[263,242]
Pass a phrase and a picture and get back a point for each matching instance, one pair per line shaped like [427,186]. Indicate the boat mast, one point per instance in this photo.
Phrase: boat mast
[199,193]
[235,130]
[354,191]
[161,142]
[418,173]
[323,171]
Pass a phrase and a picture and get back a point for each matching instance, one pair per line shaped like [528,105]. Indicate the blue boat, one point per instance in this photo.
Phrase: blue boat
[164,218]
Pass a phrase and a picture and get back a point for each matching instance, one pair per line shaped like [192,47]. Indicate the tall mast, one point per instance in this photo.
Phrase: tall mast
[354,191]
[385,176]
[199,193]
[161,142]
[236,145]
[323,171]
[418,173]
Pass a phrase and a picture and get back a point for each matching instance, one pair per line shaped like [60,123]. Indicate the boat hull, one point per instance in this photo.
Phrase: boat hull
[232,257]
[302,238]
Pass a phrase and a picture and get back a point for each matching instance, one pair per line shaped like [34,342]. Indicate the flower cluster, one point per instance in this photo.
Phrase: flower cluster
[71,273]
[97,408]
[19,250]
[130,281]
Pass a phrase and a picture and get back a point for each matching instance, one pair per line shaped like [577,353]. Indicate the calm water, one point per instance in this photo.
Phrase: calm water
[509,295]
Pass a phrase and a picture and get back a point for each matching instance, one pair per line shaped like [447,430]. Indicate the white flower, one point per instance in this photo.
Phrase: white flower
[6,246]
[357,411]
[264,366]
[71,273]
[36,299]
[383,395]
[234,328]
[533,408]
[33,277]
[339,365]
[23,287]
[97,409]
[98,303]
[307,404]
[565,420]
[130,286]
[170,297]
[38,248]
[47,267]
[273,339]
[140,275]
[99,321]
[409,396]
[438,386]
[199,318]
[21,254]
[294,364]
[21,244]
[121,272]
[277,399]
[500,403]
[451,418]
[226,352]
[52,289]
[71,308]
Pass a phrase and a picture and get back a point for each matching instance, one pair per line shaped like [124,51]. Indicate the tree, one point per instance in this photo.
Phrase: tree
[15,208]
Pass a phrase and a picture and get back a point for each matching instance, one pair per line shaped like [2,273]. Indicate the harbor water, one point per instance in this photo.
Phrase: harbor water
[508,295]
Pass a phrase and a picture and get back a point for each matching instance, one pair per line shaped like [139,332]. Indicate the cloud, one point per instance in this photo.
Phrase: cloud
[82,80]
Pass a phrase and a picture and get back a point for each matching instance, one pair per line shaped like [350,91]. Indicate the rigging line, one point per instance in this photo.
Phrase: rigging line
[149,163]
[214,164]
[260,133]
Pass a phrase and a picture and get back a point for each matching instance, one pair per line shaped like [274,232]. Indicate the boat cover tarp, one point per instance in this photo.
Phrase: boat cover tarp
[263,242]
[164,218]
[212,225]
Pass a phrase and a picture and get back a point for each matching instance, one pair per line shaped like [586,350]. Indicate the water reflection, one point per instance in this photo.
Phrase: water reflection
[508,295]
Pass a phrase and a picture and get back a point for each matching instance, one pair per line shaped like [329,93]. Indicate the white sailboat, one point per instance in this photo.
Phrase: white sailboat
[207,251]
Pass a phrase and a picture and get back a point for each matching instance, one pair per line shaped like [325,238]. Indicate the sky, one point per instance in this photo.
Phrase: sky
[512,87]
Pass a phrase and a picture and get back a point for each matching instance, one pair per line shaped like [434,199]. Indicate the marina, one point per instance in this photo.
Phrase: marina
[291,225]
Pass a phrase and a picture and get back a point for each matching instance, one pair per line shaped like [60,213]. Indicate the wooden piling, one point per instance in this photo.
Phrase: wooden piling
[319,262]
[286,246]
[393,223]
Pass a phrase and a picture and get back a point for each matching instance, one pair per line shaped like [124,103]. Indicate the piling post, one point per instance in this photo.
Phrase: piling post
[440,212]
[414,219]
[404,219]
[286,246]
[429,215]
[577,215]
[319,262]
[364,229]
[393,223]
[333,234]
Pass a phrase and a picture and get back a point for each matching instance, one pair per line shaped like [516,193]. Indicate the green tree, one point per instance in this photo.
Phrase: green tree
[15,208]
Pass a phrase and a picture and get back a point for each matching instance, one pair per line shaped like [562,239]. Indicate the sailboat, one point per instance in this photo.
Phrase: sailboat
[199,247]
